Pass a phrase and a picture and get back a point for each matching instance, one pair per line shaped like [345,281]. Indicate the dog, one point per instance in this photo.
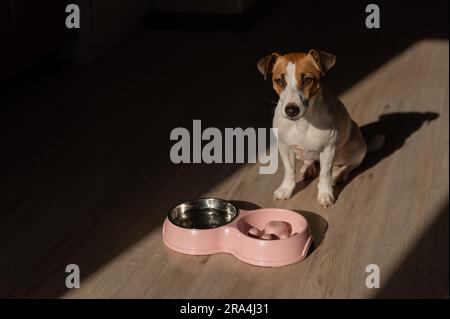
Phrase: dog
[313,124]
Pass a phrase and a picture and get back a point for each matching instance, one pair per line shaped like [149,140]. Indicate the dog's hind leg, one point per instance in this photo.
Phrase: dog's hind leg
[308,170]
[349,157]
[340,173]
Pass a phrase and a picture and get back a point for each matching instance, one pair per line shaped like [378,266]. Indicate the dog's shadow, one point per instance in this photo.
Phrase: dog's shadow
[396,128]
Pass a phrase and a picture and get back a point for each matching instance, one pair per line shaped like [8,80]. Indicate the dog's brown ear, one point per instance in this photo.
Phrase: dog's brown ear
[265,65]
[324,61]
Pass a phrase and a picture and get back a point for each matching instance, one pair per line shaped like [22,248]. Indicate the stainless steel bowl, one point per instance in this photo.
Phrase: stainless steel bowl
[203,213]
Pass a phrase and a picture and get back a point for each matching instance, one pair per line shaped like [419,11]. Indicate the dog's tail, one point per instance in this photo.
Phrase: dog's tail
[376,143]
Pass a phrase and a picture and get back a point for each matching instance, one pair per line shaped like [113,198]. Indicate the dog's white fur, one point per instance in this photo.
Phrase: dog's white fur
[323,132]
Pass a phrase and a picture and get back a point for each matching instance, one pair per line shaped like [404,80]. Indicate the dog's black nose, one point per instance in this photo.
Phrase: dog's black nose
[292,110]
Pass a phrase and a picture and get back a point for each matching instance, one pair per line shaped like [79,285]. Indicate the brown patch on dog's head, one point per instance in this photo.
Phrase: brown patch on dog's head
[310,67]
[322,60]
[296,77]
[266,64]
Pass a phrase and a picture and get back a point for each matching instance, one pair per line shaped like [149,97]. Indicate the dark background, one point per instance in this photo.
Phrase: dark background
[70,101]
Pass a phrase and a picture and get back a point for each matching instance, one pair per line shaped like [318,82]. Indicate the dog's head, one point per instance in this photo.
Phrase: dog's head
[296,78]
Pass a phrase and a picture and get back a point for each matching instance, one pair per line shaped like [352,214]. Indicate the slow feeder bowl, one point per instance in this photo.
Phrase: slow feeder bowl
[210,225]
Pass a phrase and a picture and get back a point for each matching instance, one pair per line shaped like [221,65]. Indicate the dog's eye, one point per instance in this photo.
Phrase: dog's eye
[307,79]
[280,81]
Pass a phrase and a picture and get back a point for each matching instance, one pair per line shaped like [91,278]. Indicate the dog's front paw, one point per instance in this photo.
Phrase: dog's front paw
[325,199]
[283,192]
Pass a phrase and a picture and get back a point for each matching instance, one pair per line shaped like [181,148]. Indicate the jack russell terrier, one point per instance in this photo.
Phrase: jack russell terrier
[312,123]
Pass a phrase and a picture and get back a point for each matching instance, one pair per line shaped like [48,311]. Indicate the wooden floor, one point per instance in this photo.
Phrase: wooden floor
[96,192]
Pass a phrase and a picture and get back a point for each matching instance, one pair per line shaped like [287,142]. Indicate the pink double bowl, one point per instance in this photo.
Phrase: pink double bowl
[268,237]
